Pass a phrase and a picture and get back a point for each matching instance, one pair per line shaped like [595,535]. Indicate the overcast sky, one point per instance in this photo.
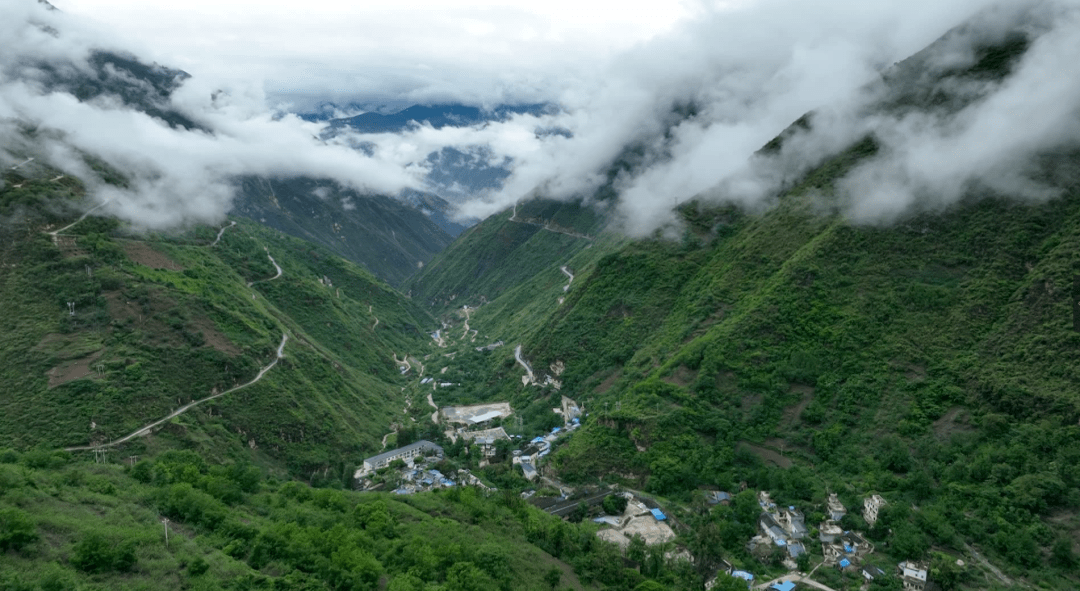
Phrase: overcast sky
[618,70]
[413,50]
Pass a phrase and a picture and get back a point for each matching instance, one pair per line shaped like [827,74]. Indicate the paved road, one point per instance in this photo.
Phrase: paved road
[145,430]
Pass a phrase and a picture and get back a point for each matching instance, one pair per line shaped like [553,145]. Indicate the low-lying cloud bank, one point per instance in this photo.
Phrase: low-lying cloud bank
[750,72]
[691,109]
[176,176]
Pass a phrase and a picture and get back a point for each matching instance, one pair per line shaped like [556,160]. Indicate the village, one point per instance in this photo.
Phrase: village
[783,541]
[782,531]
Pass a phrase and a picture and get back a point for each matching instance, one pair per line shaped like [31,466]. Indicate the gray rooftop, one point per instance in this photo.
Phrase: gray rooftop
[423,444]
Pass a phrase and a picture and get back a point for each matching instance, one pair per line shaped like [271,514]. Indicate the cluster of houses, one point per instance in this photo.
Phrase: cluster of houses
[784,527]
[529,456]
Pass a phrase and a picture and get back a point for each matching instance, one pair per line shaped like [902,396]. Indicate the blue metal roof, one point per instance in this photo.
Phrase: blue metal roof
[845,563]
[742,575]
[783,586]
[658,514]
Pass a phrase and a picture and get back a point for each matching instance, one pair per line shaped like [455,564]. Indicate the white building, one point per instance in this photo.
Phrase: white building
[406,454]
[871,506]
[913,575]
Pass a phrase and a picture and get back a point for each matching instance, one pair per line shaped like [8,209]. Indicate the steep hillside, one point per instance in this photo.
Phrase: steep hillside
[178,522]
[503,252]
[798,352]
[385,236]
[106,331]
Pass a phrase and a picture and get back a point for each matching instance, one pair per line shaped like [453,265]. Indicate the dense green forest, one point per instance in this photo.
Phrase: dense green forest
[70,525]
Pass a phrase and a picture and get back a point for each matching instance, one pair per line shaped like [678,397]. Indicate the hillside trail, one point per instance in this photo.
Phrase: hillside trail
[525,364]
[369,308]
[272,262]
[404,360]
[567,272]
[145,430]
[434,415]
[27,161]
[986,564]
[465,333]
[220,232]
[54,233]
[394,432]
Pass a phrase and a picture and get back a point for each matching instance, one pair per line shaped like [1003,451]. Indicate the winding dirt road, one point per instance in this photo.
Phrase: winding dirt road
[54,233]
[145,430]
[220,232]
[434,415]
[465,333]
[567,272]
[525,364]
[272,262]
[369,308]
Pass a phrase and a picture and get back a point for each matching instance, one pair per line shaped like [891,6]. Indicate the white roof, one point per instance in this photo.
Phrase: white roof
[491,414]
[914,573]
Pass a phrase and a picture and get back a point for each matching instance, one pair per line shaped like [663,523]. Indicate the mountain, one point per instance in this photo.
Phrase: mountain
[384,235]
[455,173]
[438,116]
[795,351]
[786,350]
[106,330]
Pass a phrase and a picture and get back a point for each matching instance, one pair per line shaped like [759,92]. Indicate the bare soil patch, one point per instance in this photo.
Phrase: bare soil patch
[72,370]
[141,253]
[767,455]
[608,382]
[955,420]
[682,376]
[214,337]
[915,373]
[792,413]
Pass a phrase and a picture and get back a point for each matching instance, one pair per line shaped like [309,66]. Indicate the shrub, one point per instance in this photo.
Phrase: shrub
[97,553]
[16,529]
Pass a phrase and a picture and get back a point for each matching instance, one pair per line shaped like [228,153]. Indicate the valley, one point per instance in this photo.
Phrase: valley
[290,372]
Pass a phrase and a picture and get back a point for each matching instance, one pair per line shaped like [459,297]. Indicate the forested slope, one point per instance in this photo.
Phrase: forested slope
[106,330]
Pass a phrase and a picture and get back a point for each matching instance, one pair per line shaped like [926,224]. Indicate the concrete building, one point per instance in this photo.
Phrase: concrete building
[913,575]
[406,454]
[829,532]
[836,508]
[793,522]
[871,506]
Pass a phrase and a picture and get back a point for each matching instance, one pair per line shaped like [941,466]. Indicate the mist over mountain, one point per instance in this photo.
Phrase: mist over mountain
[780,292]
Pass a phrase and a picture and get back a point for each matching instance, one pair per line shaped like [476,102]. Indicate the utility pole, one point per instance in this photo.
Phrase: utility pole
[133,459]
[71,308]
[165,521]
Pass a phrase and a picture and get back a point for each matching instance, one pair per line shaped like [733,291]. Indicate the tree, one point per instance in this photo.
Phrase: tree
[945,572]
[1061,554]
[803,561]
[579,513]
[553,577]
[615,504]
[464,576]
[16,529]
[96,553]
